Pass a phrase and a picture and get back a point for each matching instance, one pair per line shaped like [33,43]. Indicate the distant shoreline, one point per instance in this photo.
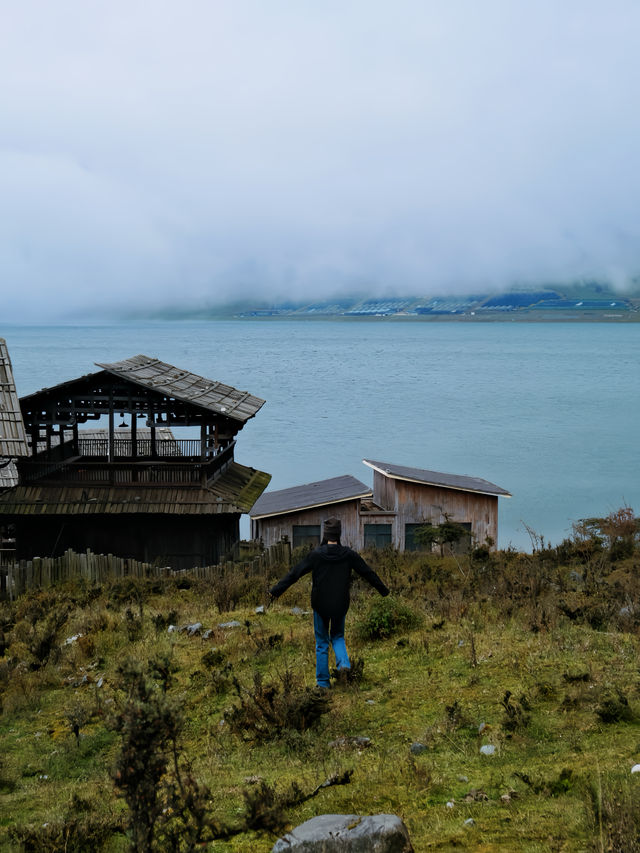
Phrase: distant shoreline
[528,317]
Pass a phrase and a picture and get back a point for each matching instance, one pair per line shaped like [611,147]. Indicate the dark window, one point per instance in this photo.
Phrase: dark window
[410,542]
[463,545]
[377,535]
[306,534]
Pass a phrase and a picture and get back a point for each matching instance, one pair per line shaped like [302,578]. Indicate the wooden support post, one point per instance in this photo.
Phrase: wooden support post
[154,450]
[110,453]
[134,446]
[203,454]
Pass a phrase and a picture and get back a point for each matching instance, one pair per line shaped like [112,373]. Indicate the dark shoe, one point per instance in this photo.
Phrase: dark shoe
[343,676]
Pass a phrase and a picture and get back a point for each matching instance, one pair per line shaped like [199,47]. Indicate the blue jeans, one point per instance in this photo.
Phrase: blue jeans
[328,632]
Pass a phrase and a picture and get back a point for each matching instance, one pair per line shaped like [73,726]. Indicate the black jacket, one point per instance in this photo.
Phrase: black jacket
[330,567]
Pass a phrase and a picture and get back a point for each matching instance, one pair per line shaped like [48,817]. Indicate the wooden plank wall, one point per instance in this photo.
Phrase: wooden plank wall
[272,529]
[17,577]
[417,502]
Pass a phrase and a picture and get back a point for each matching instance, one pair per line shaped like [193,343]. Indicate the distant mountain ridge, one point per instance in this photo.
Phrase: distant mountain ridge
[577,302]
[596,302]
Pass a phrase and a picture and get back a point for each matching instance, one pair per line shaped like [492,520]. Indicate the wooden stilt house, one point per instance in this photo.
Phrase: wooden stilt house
[132,488]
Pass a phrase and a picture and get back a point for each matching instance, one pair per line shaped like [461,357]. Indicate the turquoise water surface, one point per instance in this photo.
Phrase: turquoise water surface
[549,411]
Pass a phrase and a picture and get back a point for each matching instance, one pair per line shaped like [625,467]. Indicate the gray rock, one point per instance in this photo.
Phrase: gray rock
[418,748]
[487,749]
[233,624]
[194,629]
[469,822]
[335,833]
[172,628]
[259,609]
[358,741]
[297,611]
[207,634]
[576,577]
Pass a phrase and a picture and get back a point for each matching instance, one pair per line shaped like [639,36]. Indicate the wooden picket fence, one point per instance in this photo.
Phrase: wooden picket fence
[19,576]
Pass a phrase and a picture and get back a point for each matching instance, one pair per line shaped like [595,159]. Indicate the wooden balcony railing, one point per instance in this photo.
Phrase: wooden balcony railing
[176,462]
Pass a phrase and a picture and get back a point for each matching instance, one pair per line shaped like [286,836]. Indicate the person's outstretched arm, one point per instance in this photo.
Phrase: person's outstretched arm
[302,568]
[368,574]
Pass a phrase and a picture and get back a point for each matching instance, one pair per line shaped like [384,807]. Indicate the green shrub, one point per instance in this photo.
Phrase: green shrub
[386,617]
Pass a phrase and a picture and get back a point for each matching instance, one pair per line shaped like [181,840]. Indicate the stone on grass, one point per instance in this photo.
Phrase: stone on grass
[233,624]
[487,749]
[418,748]
[339,833]
[635,768]
[357,741]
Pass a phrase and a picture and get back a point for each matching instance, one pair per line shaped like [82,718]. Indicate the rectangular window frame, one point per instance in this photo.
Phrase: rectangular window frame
[377,535]
[305,534]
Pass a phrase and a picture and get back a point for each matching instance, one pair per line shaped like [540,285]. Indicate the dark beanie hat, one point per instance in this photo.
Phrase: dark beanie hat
[332,529]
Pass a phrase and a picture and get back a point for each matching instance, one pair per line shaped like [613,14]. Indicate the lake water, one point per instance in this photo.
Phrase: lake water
[550,412]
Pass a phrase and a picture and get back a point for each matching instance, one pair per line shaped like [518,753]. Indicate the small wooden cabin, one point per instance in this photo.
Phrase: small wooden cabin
[402,499]
[298,512]
[134,491]
[405,498]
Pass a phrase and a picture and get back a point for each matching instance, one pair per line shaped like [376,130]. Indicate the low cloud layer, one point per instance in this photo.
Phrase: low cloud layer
[204,151]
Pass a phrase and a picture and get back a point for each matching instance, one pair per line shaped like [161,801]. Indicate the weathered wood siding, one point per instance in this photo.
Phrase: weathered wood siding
[18,576]
[384,491]
[417,502]
[272,529]
[403,503]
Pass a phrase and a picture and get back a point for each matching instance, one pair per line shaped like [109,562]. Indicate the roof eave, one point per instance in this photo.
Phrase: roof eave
[290,510]
[392,476]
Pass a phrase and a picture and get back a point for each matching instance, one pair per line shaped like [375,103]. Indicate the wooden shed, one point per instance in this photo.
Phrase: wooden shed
[405,498]
[402,500]
[134,491]
[298,512]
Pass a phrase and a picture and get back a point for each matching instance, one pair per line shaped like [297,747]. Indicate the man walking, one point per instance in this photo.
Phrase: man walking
[330,565]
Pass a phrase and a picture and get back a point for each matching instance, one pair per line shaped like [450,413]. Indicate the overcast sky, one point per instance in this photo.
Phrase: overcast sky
[201,150]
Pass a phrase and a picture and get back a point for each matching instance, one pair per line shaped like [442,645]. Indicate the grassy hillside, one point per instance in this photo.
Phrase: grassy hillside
[115,727]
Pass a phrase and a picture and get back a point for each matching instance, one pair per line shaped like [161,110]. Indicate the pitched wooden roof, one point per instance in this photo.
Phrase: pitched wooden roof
[8,474]
[188,387]
[13,441]
[165,379]
[235,491]
[321,493]
[437,478]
